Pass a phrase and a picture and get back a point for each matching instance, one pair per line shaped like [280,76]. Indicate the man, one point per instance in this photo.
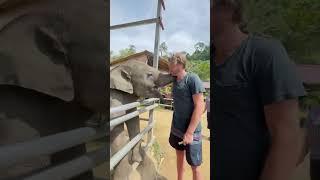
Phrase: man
[185,135]
[255,107]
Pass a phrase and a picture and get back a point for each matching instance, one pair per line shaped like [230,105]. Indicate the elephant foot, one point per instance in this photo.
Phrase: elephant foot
[135,175]
[136,154]
[148,171]
[122,170]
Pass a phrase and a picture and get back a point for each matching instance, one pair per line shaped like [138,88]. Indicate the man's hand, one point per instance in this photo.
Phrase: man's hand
[195,118]
[187,138]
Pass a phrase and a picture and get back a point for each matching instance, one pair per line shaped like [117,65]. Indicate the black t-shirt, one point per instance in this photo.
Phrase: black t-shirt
[258,73]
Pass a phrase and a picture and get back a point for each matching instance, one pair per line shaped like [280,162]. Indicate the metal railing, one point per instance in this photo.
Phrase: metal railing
[168,102]
[45,146]
[149,105]
[16,153]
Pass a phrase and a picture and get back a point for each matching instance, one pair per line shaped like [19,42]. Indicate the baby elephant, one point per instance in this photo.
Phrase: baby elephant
[129,82]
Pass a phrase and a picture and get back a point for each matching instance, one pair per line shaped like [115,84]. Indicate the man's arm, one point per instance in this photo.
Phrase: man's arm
[279,87]
[286,144]
[197,112]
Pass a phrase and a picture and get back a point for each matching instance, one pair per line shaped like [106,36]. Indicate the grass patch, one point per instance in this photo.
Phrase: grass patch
[157,152]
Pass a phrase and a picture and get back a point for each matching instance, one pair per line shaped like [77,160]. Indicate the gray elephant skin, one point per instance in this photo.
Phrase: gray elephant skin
[53,73]
[129,82]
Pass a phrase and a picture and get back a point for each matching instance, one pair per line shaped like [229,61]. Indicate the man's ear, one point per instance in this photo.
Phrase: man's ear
[49,43]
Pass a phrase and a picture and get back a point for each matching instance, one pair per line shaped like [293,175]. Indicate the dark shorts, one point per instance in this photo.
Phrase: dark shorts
[193,150]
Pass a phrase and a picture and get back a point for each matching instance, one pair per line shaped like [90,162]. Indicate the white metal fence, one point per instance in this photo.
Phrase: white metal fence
[148,105]
[167,102]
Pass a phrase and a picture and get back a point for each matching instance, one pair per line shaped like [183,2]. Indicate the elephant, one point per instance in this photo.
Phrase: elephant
[129,82]
[53,73]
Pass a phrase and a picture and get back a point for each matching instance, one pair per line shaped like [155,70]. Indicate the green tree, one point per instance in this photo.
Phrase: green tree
[200,46]
[125,52]
[294,22]
[201,68]
[202,52]
[163,48]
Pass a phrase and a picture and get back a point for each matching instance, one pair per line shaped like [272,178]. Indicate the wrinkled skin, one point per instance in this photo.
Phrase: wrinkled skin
[53,54]
[128,83]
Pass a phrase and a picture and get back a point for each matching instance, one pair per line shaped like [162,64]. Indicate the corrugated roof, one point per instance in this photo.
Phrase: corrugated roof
[163,63]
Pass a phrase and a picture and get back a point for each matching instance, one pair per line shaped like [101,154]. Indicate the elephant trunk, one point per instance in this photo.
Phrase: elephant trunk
[164,79]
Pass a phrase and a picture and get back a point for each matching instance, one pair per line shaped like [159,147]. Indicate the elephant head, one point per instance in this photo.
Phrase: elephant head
[139,79]
[56,47]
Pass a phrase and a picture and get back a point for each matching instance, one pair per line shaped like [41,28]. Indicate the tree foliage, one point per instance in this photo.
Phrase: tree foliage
[294,22]
[202,52]
[201,68]
[163,48]
[131,49]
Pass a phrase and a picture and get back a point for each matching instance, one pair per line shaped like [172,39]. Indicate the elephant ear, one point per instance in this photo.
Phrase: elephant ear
[120,79]
[41,62]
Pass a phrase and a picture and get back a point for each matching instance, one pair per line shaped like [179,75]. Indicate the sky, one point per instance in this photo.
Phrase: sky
[186,22]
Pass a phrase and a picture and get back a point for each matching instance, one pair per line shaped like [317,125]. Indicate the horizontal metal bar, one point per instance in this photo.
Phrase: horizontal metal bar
[170,99]
[148,108]
[124,118]
[136,23]
[116,158]
[131,115]
[144,119]
[131,105]
[72,168]
[150,100]
[124,107]
[18,152]
[165,105]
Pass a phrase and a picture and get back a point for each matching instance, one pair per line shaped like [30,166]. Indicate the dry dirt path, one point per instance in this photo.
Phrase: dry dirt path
[161,132]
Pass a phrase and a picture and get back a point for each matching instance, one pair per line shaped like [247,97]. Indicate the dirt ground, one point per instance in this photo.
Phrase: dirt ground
[161,132]
[168,166]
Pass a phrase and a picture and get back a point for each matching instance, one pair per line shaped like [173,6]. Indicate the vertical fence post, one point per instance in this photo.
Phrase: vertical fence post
[157,37]
[150,133]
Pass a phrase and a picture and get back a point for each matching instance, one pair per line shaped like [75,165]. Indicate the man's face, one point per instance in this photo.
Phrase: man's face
[175,68]
[222,19]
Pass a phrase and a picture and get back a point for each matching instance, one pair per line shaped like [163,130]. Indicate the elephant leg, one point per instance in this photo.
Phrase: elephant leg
[133,126]
[118,140]
[148,170]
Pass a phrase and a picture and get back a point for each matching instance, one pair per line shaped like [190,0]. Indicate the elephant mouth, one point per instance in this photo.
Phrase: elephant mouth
[156,91]
[156,88]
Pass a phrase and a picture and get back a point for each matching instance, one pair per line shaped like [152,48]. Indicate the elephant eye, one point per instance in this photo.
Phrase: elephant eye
[149,74]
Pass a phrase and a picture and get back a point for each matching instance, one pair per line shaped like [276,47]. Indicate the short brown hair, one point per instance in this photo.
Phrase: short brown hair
[179,58]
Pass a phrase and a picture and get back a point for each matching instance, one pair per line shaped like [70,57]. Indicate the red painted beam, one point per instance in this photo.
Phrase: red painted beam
[161,24]
[163,6]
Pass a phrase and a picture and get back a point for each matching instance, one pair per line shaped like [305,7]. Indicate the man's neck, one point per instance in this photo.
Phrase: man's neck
[181,75]
[227,42]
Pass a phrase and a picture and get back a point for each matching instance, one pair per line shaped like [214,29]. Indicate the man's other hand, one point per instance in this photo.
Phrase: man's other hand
[187,138]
